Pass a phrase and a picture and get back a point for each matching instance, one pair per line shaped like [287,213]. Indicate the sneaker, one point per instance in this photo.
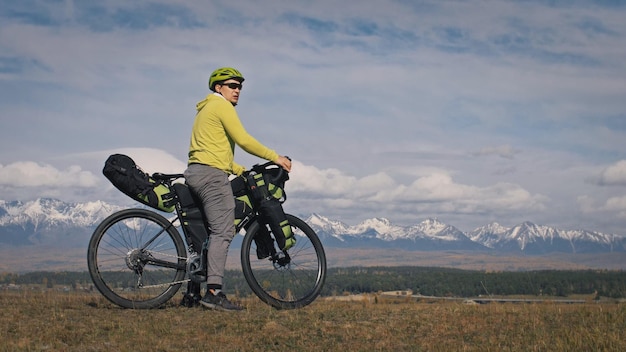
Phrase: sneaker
[219,302]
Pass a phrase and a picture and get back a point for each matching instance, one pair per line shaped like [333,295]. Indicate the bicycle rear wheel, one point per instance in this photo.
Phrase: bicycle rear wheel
[286,282]
[137,259]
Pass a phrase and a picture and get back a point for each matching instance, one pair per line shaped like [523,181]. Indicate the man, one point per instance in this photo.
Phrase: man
[215,132]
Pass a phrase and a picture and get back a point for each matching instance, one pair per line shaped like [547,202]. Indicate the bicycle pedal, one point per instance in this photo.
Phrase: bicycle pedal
[190,300]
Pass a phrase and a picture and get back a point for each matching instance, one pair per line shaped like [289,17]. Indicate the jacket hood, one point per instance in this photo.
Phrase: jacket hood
[203,102]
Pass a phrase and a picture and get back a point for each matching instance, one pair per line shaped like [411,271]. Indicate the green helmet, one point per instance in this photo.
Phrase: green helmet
[222,74]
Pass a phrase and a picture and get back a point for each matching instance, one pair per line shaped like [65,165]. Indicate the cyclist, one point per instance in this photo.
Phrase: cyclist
[215,132]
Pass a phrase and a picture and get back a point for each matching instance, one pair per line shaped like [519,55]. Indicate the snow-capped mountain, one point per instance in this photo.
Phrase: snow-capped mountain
[429,234]
[536,239]
[51,211]
[50,221]
[53,222]
[489,235]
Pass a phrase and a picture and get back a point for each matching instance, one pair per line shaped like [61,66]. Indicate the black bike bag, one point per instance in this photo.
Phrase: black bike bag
[271,211]
[193,220]
[243,204]
[126,176]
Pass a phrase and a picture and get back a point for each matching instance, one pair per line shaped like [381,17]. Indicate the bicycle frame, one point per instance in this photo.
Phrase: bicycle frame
[178,218]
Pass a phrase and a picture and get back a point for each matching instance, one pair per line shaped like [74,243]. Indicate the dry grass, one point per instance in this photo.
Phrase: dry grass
[54,321]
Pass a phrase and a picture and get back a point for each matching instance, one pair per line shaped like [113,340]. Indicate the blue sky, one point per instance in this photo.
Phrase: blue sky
[467,111]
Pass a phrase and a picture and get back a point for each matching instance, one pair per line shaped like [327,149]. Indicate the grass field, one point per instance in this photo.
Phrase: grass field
[60,321]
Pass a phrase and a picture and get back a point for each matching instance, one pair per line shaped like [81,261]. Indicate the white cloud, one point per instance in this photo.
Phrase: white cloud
[32,174]
[614,175]
[617,204]
[25,180]
[149,160]
[321,190]
[312,181]
[153,160]
[612,207]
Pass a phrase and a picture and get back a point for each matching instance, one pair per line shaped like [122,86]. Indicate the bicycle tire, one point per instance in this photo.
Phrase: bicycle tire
[290,286]
[128,275]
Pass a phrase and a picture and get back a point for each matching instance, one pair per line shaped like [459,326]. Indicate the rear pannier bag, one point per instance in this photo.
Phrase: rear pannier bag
[126,176]
[193,219]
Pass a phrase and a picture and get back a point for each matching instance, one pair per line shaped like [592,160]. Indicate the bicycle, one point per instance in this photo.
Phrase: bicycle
[137,258]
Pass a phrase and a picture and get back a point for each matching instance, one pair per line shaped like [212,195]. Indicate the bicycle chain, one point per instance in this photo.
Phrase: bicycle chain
[169,283]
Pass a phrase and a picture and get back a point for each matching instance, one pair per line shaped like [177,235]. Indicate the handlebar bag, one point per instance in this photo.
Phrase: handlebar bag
[127,177]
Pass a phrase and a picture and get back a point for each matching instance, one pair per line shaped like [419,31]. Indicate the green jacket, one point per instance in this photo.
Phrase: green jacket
[215,132]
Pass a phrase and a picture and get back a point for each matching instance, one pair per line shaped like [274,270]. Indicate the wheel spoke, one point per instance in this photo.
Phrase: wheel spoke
[126,273]
[285,283]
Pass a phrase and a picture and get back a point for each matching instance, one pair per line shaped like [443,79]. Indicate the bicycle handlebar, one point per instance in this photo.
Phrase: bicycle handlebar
[270,165]
[166,177]
[259,168]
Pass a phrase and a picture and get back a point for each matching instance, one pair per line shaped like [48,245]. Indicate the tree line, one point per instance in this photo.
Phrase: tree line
[467,283]
[427,281]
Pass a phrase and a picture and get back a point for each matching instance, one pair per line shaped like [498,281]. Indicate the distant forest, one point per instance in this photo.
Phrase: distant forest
[444,282]
[426,281]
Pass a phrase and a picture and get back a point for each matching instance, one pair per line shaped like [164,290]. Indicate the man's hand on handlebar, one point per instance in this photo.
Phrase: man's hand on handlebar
[283,162]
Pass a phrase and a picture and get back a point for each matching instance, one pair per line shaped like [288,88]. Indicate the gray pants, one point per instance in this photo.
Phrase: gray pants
[213,187]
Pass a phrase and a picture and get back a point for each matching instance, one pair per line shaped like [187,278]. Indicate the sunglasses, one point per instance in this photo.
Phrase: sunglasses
[233,85]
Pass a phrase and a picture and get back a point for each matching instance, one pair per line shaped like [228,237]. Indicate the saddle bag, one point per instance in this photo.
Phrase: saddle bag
[127,177]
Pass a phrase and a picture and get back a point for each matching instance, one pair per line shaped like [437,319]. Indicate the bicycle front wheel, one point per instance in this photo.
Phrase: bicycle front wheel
[286,281]
[137,259]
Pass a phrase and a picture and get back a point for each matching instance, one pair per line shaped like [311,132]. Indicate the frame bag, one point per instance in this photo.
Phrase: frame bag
[126,176]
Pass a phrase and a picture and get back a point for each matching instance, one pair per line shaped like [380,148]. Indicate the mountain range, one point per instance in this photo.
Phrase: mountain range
[431,234]
[52,222]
